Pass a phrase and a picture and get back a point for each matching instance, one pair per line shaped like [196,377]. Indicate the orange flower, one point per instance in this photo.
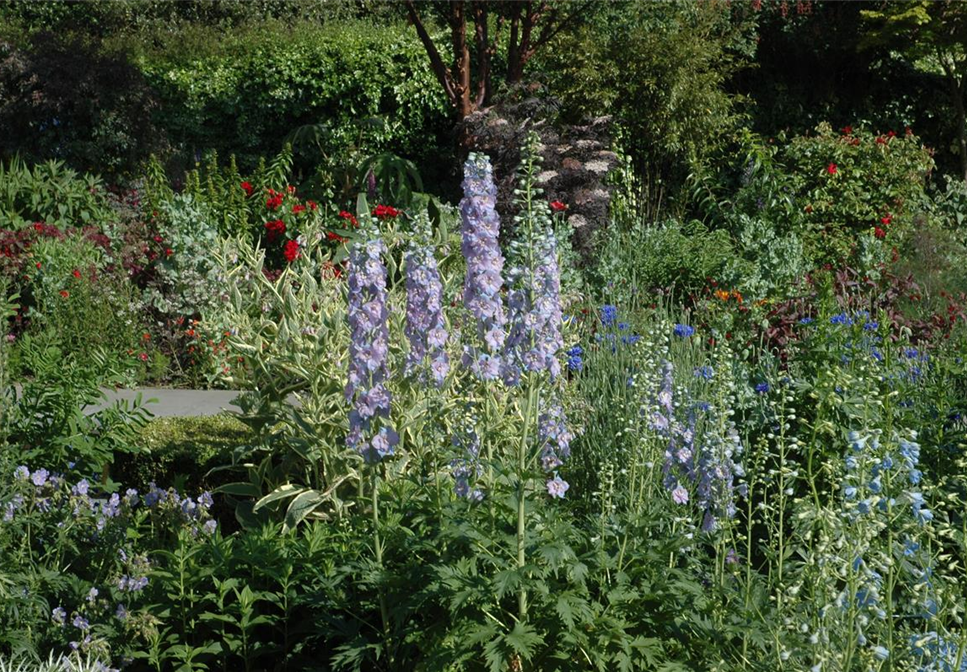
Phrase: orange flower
[721,295]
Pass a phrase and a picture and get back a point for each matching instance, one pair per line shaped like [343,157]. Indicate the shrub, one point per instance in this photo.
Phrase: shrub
[674,256]
[63,99]
[273,77]
[50,193]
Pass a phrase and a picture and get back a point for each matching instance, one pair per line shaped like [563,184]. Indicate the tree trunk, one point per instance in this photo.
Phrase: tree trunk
[461,60]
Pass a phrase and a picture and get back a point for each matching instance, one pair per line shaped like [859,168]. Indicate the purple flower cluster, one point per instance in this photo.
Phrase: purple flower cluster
[698,469]
[425,328]
[368,351]
[50,491]
[485,264]
[535,306]
[555,441]
[466,470]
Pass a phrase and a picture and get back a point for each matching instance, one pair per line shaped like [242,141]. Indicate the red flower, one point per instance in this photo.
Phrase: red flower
[332,235]
[348,216]
[296,209]
[885,221]
[831,169]
[38,226]
[557,206]
[248,188]
[168,252]
[143,356]
[891,134]
[274,200]
[275,229]
[290,189]
[881,140]
[312,205]
[157,239]
[64,293]
[291,251]
[76,273]
[38,264]
[385,211]
[847,130]
[879,233]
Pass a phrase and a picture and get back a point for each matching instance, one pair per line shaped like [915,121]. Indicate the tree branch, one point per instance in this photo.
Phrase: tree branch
[436,61]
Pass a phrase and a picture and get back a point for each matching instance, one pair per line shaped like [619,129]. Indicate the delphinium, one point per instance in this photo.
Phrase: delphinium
[875,551]
[425,326]
[370,433]
[485,263]
[700,455]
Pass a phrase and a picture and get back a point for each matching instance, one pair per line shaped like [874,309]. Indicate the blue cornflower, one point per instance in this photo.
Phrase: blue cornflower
[841,318]
[705,372]
[630,340]
[683,330]
[574,360]
[762,388]
[911,353]
[806,320]
[623,326]
[871,326]
[609,315]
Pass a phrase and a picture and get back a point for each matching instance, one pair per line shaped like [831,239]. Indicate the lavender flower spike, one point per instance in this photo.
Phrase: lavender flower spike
[368,350]
[485,263]
[425,328]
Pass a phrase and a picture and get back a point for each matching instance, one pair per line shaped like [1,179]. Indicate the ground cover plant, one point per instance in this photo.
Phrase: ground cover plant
[731,434]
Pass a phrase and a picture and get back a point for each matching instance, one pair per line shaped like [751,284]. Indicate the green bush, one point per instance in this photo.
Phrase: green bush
[662,70]
[243,92]
[852,181]
[51,193]
[63,97]
[673,255]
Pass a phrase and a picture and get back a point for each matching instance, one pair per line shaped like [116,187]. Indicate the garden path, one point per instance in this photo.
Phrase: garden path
[175,403]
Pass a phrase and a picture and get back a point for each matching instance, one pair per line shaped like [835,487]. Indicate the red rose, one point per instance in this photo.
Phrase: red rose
[348,216]
[879,233]
[168,252]
[831,169]
[274,200]
[385,211]
[557,206]
[76,273]
[38,227]
[885,221]
[248,188]
[275,228]
[291,251]
[312,205]
[296,209]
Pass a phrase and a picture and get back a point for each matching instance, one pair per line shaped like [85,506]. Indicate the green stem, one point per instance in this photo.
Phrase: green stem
[522,454]
[378,550]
